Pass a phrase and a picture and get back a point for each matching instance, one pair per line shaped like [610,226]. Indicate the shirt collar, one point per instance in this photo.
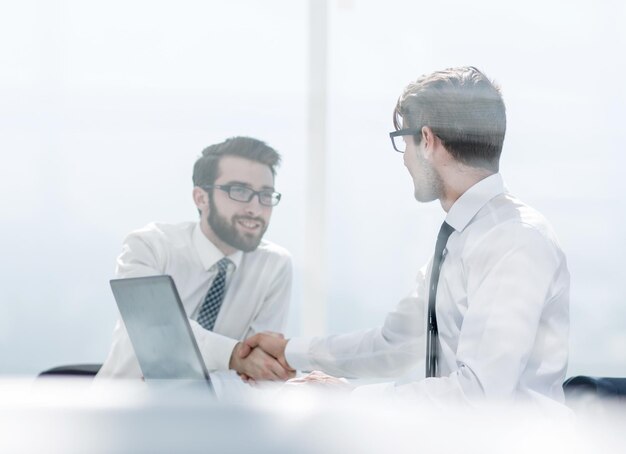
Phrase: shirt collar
[472,200]
[209,253]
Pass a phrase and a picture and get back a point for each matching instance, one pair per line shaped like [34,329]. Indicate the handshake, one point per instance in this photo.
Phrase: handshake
[262,357]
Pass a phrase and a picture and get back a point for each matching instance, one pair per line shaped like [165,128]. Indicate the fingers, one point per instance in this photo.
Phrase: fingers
[272,343]
[283,362]
[244,377]
[321,380]
[244,350]
[249,344]
[262,357]
[287,373]
[278,371]
[261,366]
[247,379]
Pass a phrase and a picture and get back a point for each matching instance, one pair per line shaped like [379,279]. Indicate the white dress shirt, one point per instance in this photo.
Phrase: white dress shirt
[502,312]
[258,290]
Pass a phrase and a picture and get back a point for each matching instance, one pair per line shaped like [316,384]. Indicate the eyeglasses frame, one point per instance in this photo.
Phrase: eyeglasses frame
[403,132]
[226,188]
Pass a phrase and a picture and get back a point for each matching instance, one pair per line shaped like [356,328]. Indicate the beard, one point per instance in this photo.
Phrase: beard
[227,231]
[429,185]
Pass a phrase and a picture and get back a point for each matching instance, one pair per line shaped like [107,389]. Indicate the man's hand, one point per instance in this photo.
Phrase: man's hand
[258,365]
[322,380]
[273,344]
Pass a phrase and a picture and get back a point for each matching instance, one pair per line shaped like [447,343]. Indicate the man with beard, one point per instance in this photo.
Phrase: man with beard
[231,282]
[490,311]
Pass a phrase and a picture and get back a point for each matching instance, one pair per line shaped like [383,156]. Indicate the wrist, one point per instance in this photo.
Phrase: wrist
[297,354]
[284,349]
[235,360]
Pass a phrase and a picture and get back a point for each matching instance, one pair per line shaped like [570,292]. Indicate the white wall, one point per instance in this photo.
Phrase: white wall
[105,107]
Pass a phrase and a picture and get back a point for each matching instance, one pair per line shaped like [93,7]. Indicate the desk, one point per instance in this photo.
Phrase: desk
[75,416]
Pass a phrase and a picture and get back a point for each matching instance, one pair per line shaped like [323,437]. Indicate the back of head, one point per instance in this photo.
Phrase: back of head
[206,168]
[463,108]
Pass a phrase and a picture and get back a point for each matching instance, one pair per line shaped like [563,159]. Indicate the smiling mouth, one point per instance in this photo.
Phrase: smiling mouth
[249,224]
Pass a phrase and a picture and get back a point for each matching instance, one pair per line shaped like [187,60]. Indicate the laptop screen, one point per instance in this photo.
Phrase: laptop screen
[158,328]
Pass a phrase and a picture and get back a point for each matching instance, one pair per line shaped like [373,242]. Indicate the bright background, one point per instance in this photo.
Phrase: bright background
[104,107]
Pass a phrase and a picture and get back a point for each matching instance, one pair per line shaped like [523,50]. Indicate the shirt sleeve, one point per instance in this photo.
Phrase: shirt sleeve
[380,352]
[272,316]
[273,312]
[516,274]
[215,349]
[138,258]
[142,256]
[512,278]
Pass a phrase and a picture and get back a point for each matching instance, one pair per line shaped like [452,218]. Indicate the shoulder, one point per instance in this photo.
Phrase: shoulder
[267,249]
[269,256]
[159,231]
[525,220]
[162,236]
[508,223]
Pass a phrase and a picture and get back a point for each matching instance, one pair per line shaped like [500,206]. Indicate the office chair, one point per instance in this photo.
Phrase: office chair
[76,370]
[582,390]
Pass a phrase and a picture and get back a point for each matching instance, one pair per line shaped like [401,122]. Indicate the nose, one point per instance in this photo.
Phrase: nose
[254,207]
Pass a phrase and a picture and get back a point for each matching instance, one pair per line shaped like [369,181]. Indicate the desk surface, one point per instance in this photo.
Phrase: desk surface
[78,416]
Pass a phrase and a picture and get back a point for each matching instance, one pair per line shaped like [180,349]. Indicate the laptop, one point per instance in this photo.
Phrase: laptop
[159,329]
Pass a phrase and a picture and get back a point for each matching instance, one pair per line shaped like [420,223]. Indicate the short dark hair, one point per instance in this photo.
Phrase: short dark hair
[463,108]
[206,167]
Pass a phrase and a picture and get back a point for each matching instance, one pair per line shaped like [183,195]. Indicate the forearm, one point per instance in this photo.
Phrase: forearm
[121,361]
[380,352]
[359,354]
[216,350]
[460,387]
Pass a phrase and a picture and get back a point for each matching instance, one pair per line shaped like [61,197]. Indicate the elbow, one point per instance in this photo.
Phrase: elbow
[401,358]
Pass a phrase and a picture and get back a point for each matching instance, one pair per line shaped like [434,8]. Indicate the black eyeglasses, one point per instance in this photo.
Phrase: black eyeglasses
[398,142]
[244,194]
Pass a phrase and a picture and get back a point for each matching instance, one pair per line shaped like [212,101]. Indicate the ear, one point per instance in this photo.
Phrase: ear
[200,198]
[430,142]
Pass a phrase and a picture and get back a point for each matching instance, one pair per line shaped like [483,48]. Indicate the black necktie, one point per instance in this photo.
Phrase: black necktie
[432,338]
[214,297]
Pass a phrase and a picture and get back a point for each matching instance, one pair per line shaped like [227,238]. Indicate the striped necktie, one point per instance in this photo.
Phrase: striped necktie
[432,340]
[214,297]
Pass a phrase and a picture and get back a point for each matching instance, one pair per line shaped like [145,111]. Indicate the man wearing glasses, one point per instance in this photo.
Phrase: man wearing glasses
[489,314]
[231,282]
